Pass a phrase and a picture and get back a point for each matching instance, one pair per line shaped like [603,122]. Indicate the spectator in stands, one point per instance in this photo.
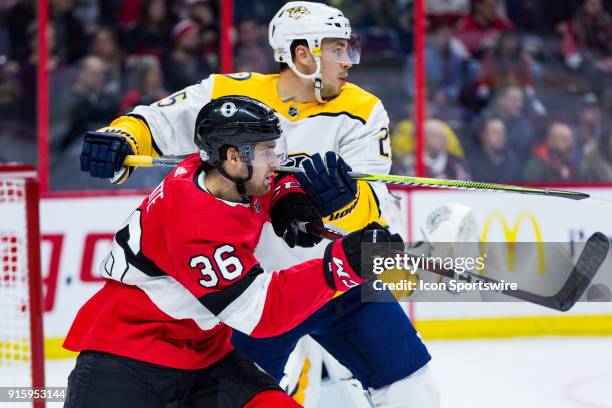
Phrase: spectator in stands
[596,165]
[592,26]
[203,13]
[590,121]
[149,84]
[69,32]
[551,160]
[18,21]
[29,69]
[10,88]
[491,159]
[438,162]
[447,7]
[444,62]
[504,64]
[402,159]
[105,45]
[403,144]
[185,65]
[404,131]
[150,35]
[478,30]
[91,104]
[377,23]
[509,105]
[251,56]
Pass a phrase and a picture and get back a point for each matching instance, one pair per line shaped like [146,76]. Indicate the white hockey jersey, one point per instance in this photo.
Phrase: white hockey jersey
[354,124]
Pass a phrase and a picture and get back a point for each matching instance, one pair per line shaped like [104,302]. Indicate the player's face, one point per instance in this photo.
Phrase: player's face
[337,57]
[264,162]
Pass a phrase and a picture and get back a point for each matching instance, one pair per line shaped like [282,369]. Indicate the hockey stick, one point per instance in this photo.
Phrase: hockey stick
[590,260]
[146,161]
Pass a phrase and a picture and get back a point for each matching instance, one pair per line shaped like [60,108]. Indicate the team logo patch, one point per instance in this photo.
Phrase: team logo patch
[239,76]
[297,12]
[228,109]
[293,111]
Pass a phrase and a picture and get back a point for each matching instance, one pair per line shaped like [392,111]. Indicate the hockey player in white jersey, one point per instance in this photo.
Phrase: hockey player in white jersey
[330,126]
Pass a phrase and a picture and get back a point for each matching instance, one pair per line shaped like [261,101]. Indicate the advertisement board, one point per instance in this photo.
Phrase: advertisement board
[77,232]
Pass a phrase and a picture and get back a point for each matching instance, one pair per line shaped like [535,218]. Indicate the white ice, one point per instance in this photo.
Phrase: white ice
[547,372]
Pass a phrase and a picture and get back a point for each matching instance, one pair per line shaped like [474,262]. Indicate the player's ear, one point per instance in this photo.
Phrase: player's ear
[231,154]
[302,56]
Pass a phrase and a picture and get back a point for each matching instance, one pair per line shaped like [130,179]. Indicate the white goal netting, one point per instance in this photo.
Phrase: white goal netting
[20,341]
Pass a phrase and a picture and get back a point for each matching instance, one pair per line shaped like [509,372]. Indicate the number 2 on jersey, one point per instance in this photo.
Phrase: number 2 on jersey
[384,143]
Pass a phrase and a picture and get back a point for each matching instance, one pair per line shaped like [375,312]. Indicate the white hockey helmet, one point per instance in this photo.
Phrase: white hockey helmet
[305,20]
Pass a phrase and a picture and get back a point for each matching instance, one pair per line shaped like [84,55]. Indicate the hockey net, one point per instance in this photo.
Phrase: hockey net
[21,340]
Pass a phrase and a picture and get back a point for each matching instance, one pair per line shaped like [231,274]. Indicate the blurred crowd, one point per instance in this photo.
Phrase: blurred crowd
[517,90]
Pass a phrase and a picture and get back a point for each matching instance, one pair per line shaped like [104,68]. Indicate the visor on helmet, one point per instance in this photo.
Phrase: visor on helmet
[263,154]
[341,50]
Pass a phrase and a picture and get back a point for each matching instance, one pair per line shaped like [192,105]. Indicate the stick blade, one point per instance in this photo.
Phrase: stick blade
[592,257]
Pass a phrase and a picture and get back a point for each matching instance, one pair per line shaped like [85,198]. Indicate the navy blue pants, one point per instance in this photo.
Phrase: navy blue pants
[373,339]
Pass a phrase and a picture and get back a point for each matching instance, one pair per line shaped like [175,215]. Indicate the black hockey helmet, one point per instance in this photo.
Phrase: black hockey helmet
[233,120]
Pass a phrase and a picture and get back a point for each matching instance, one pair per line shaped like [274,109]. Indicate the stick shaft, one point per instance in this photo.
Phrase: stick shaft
[146,161]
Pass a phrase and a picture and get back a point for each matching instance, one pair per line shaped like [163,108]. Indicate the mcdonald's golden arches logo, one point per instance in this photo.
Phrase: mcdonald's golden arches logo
[511,234]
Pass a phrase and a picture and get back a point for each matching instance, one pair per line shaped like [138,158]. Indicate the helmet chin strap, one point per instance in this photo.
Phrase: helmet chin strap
[315,77]
[239,182]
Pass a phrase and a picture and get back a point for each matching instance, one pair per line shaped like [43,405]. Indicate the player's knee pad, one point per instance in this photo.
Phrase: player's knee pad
[418,390]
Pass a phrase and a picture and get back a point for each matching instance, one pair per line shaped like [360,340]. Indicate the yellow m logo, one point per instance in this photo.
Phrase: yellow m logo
[510,234]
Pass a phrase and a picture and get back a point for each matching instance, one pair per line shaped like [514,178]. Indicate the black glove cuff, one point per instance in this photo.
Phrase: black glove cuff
[289,210]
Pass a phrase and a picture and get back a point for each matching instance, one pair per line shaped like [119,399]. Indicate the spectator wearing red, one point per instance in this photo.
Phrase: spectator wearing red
[479,29]
[186,64]
[506,64]
[551,160]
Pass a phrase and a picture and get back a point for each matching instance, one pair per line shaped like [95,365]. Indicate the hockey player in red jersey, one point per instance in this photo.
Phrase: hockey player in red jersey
[181,274]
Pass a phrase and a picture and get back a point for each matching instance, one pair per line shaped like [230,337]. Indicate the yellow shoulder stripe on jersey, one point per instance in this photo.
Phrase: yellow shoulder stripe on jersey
[138,134]
[358,213]
[353,101]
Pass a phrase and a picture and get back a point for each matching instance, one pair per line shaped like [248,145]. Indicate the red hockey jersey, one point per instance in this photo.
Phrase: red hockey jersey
[181,274]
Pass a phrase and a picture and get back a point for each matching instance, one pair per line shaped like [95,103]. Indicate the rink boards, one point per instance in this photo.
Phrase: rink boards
[77,231]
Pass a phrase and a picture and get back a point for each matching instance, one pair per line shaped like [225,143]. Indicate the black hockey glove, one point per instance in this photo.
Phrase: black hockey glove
[329,184]
[103,155]
[286,214]
[350,248]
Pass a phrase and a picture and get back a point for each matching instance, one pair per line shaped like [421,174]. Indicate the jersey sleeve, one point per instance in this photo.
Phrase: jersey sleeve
[171,121]
[165,127]
[228,282]
[366,149]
